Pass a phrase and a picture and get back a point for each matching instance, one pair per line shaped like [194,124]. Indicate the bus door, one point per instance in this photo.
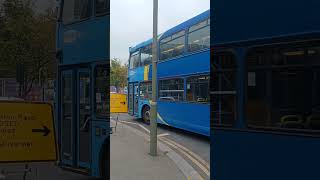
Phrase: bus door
[66,129]
[83,118]
[130,98]
[136,98]
[75,109]
[83,127]
[133,98]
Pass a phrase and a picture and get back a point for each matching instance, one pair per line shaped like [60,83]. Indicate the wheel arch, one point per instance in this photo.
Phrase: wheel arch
[142,108]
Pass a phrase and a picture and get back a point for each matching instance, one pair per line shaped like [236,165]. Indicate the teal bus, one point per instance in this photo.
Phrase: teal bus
[82,95]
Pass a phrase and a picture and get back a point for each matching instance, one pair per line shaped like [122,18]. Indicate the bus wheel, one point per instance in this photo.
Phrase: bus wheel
[146,114]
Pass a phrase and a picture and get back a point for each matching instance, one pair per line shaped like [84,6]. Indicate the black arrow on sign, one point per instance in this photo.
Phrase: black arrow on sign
[45,131]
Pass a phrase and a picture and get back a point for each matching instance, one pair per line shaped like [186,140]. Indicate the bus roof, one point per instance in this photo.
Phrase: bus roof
[177,28]
[187,23]
[145,43]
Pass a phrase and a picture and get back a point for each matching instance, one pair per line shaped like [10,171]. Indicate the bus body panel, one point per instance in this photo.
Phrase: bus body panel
[237,21]
[190,64]
[136,75]
[187,116]
[81,44]
[264,156]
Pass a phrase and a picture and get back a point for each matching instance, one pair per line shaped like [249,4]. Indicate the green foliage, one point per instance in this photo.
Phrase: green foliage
[28,39]
[118,74]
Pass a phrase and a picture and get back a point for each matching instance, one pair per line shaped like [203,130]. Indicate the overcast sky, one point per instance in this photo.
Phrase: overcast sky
[131,21]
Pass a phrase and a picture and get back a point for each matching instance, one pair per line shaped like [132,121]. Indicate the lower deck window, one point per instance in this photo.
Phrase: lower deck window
[102,99]
[171,90]
[145,90]
[198,89]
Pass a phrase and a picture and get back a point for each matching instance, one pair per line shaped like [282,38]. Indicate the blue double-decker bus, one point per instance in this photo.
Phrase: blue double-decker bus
[183,76]
[82,95]
[265,92]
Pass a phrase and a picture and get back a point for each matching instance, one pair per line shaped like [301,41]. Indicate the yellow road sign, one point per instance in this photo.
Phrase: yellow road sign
[118,103]
[26,132]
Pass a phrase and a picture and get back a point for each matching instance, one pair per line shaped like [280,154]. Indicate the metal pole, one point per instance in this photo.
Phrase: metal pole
[153,119]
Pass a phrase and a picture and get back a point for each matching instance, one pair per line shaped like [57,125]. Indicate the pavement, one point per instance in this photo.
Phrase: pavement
[130,158]
[193,149]
[38,171]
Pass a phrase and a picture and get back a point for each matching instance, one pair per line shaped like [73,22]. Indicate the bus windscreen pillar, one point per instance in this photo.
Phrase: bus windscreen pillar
[153,122]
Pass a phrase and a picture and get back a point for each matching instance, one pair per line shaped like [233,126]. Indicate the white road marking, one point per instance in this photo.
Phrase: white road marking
[164,134]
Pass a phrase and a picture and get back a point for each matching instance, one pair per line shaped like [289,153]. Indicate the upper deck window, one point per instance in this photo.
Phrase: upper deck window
[172,46]
[135,60]
[76,10]
[146,55]
[199,36]
[102,6]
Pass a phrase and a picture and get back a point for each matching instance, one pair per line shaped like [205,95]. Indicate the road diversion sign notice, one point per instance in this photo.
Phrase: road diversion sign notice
[26,132]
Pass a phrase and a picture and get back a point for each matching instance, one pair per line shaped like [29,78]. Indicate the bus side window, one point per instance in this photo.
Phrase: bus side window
[198,89]
[199,36]
[283,88]
[172,48]
[101,91]
[102,7]
[134,60]
[76,10]
[171,90]
[146,55]
[223,89]
[145,90]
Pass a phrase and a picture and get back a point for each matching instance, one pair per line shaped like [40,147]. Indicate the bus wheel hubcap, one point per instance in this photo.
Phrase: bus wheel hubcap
[147,115]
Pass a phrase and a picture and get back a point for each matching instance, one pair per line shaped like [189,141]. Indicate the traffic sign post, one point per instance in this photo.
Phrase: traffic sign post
[27,132]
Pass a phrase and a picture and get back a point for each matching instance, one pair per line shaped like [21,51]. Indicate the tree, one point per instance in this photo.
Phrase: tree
[27,40]
[118,74]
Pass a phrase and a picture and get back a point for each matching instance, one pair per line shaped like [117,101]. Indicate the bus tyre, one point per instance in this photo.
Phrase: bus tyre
[146,114]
